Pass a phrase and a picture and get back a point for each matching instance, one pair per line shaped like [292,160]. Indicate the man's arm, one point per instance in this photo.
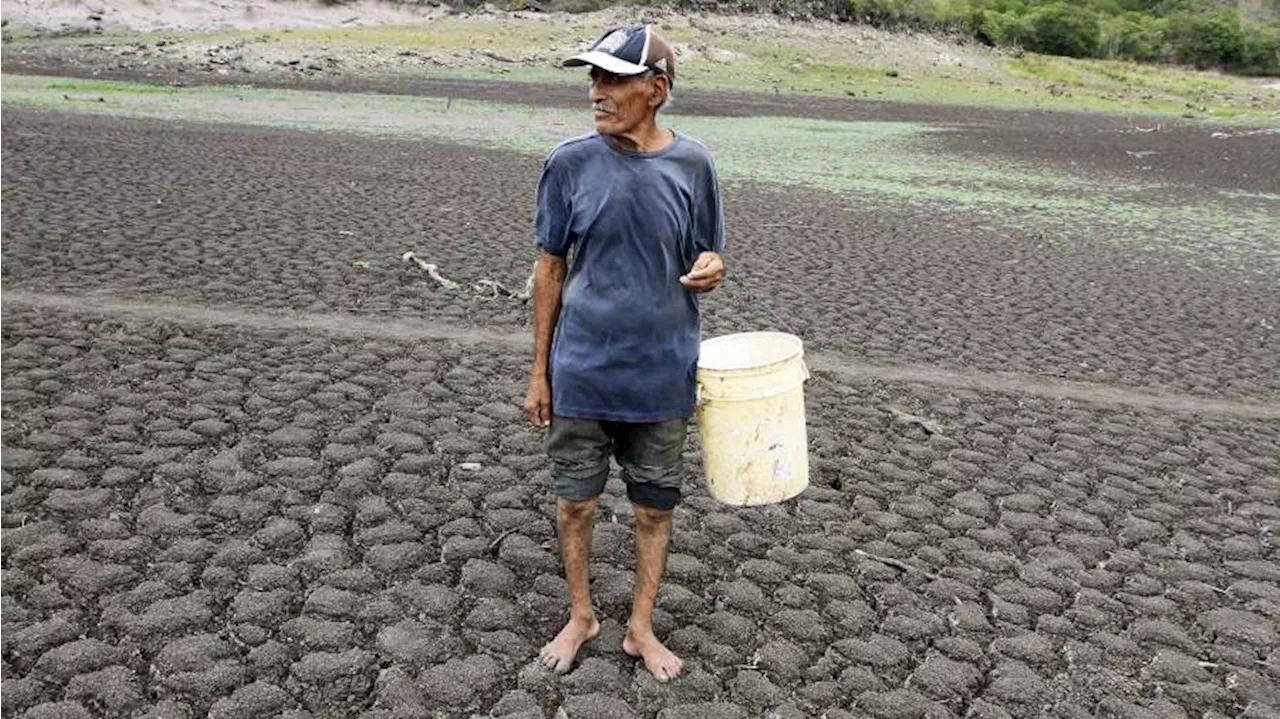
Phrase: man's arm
[548,283]
[708,268]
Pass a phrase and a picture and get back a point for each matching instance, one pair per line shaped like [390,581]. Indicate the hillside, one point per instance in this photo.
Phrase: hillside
[1237,35]
[1241,36]
[364,42]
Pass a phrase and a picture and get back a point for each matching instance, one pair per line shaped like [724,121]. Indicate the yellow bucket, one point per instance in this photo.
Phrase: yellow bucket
[751,417]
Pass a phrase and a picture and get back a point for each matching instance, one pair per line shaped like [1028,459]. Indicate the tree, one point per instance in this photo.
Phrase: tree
[1207,41]
[1060,29]
[1132,36]
[1261,53]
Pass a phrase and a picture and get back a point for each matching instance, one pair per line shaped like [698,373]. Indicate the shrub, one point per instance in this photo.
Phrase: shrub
[878,12]
[1197,32]
[995,28]
[1206,41]
[1133,37]
[1060,29]
[1261,52]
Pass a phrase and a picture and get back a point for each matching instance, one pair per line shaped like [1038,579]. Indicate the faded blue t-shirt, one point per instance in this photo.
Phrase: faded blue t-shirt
[626,345]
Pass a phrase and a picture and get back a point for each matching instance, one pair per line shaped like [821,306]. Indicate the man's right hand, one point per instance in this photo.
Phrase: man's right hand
[537,403]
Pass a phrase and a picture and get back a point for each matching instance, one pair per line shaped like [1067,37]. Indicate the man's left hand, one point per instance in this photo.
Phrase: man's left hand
[706,275]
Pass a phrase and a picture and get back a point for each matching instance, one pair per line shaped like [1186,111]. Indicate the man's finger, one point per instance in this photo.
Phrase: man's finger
[704,275]
[701,285]
[701,272]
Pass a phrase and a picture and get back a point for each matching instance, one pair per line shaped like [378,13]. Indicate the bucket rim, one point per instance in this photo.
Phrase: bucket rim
[794,351]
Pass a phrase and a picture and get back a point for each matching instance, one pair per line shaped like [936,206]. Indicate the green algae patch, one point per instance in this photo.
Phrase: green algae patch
[877,161]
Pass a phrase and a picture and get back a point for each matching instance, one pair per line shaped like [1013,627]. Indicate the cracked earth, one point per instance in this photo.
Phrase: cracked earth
[245,475]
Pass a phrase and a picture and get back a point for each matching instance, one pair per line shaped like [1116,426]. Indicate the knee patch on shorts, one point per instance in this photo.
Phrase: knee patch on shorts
[578,488]
[653,496]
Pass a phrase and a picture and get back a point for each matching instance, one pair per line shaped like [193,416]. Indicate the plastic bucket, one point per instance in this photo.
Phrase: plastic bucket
[751,417]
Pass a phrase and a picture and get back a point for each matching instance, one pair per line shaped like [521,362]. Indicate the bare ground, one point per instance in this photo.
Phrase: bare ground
[1175,151]
[181,211]
[254,464]
[239,521]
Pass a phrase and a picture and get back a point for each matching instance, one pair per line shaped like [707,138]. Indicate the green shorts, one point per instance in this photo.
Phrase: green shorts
[651,455]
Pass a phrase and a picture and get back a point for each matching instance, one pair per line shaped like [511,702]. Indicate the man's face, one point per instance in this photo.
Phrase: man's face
[622,102]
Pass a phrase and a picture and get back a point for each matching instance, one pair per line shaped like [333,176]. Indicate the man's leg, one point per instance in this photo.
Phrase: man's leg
[579,452]
[651,458]
[653,536]
[573,522]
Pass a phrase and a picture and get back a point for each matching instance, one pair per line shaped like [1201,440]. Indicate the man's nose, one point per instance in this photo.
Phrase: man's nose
[597,92]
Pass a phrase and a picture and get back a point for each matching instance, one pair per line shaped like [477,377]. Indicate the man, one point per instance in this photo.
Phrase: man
[617,332]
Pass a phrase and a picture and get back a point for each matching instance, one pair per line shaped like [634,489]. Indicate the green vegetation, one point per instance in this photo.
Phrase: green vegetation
[1194,32]
[733,53]
[796,59]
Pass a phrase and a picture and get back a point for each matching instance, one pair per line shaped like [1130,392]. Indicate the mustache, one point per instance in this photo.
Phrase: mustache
[602,107]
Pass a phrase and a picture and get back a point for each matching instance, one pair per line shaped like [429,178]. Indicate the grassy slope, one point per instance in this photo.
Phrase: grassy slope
[793,62]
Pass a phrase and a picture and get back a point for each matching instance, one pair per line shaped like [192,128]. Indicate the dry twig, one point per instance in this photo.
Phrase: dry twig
[430,269]
[907,418]
[896,564]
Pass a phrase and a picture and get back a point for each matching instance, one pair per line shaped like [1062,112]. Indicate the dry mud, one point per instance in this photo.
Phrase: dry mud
[235,522]
[214,514]
[279,220]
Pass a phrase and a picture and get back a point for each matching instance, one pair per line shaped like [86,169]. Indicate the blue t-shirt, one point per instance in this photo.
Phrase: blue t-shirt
[626,346]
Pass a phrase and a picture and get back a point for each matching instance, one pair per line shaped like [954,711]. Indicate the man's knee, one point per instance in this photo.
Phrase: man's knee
[651,516]
[576,509]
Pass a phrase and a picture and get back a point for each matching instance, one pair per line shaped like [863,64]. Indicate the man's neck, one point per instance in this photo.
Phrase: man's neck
[645,137]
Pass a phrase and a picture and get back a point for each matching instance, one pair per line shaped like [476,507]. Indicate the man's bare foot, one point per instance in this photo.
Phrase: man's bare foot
[558,654]
[661,663]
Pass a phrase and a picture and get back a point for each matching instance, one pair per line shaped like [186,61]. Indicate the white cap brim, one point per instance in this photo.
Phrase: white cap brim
[606,62]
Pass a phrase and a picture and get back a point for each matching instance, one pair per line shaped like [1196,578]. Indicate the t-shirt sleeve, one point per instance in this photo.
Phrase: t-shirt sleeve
[552,220]
[709,223]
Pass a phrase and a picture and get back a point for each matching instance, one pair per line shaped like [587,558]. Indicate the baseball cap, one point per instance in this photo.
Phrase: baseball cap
[629,50]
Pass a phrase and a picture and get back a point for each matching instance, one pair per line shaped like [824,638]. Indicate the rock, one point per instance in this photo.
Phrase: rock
[253,701]
[1241,626]
[415,643]
[192,654]
[458,682]
[898,704]
[708,710]
[58,710]
[79,657]
[877,651]
[330,602]
[596,706]
[486,579]
[754,689]
[1016,683]
[943,678]
[1030,648]
[333,670]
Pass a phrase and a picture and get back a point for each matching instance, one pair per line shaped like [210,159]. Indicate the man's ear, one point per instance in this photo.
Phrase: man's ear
[661,87]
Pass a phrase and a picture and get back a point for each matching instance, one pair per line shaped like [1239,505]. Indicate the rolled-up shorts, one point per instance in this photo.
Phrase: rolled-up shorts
[650,454]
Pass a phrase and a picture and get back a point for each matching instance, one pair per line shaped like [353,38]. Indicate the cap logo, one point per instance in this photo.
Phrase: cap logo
[613,42]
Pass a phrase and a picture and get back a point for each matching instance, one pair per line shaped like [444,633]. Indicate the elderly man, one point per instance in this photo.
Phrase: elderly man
[616,331]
